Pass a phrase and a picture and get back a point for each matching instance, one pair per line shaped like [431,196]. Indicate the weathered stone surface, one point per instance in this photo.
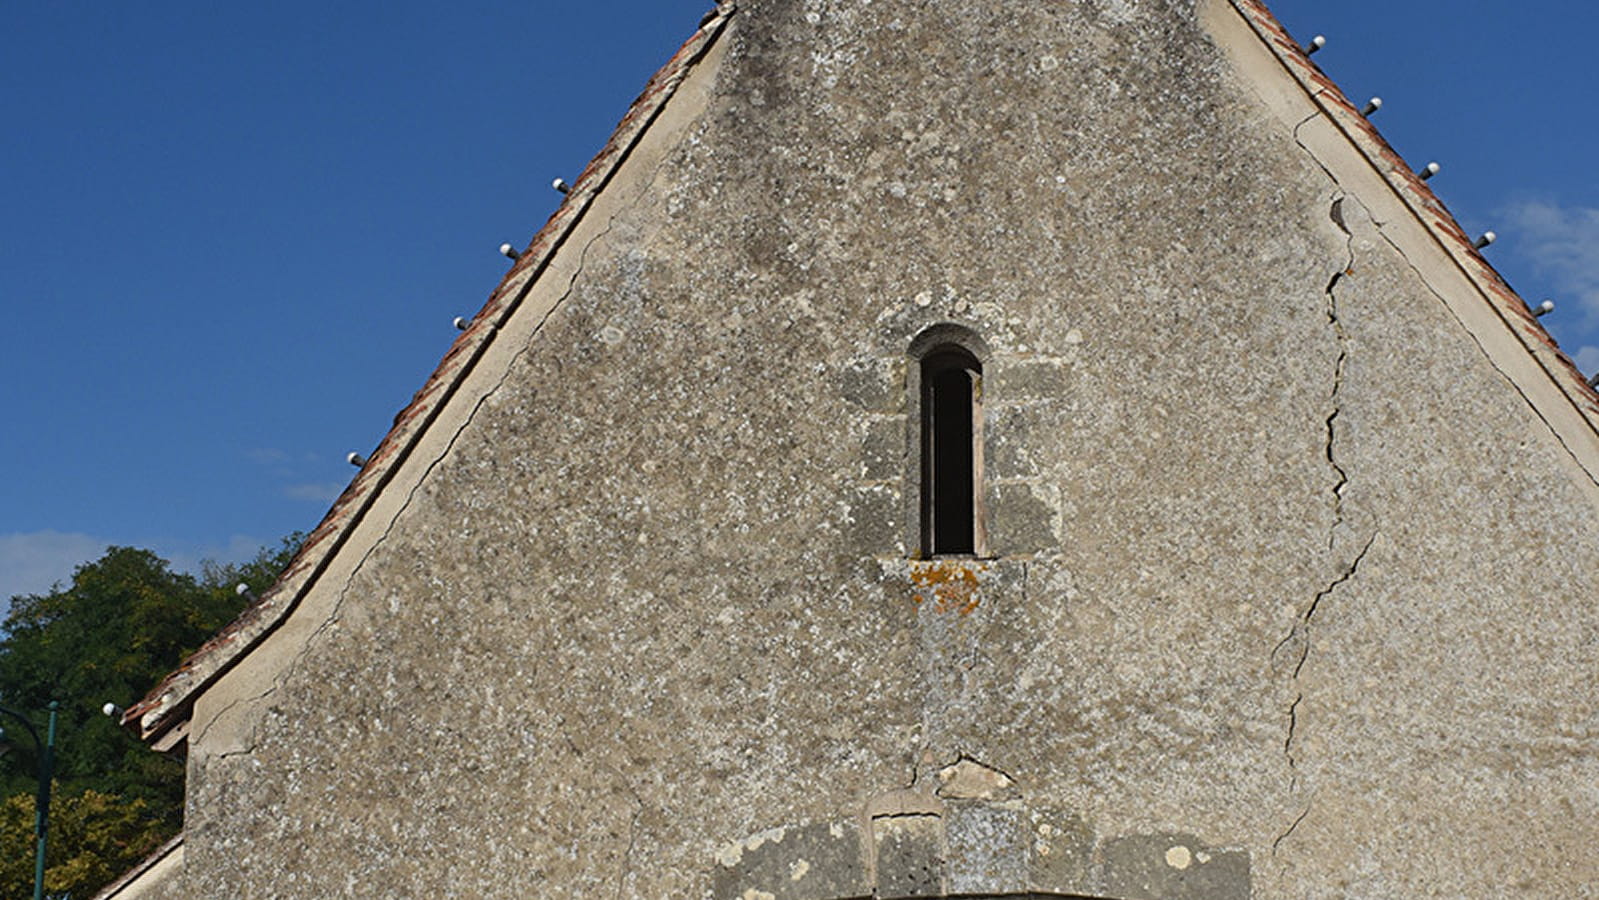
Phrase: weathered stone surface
[875,384]
[988,849]
[884,449]
[1290,569]
[1175,866]
[874,520]
[1037,380]
[814,862]
[1023,519]
[909,855]
[1062,852]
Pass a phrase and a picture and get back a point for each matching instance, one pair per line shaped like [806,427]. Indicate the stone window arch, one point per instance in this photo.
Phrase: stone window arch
[946,400]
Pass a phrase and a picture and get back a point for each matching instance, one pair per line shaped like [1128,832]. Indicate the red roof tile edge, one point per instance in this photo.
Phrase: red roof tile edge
[1419,197]
[168,703]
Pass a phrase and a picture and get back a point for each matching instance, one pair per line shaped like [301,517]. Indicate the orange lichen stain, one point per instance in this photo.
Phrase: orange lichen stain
[952,583]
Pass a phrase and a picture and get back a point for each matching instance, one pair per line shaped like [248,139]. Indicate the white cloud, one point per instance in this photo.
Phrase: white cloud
[320,493]
[187,556]
[33,562]
[1587,358]
[1563,243]
[266,456]
[293,473]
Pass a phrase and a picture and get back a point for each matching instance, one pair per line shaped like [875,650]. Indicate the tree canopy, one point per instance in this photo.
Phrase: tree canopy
[118,628]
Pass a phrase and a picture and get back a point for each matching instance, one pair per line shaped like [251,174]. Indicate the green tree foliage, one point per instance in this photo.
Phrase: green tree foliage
[124,622]
[94,838]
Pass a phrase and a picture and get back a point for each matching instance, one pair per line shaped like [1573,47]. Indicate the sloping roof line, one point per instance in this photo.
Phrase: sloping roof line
[1419,197]
[167,705]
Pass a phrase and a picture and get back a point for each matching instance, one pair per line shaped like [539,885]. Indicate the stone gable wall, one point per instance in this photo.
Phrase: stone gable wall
[1287,588]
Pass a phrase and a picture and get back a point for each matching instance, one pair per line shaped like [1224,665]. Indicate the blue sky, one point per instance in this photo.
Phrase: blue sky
[234,235]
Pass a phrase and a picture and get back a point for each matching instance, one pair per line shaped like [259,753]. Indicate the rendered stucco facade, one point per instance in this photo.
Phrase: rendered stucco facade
[1290,575]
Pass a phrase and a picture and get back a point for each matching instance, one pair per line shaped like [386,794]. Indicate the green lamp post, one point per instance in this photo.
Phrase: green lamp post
[45,751]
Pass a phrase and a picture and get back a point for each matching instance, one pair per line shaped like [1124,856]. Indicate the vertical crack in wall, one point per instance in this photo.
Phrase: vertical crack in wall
[1297,643]
[1335,398]
[1288,742]
[1427,283]
[1025,568]
[1293,825]
[627,855]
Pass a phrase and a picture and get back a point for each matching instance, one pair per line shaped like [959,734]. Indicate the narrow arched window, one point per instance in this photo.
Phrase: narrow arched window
[951,452]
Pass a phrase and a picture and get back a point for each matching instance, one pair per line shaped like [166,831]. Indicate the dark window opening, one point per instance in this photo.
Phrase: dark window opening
[951,452]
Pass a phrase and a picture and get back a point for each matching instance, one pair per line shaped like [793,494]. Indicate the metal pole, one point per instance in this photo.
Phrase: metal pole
[41,807]
[41,803]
